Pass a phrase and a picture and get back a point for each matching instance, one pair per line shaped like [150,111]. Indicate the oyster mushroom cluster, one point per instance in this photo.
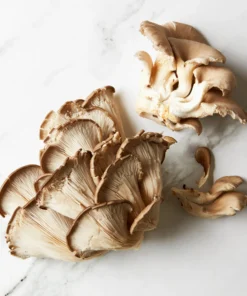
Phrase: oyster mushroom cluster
[94,191]
[222,198]
[185,82]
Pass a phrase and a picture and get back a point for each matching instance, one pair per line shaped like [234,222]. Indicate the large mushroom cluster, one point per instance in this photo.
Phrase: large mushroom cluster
[185,82]
[94,191]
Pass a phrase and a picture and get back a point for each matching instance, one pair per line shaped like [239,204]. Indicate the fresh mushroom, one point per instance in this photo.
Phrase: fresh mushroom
[177,87]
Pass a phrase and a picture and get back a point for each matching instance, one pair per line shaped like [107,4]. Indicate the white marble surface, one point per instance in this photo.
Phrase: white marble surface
[53,51]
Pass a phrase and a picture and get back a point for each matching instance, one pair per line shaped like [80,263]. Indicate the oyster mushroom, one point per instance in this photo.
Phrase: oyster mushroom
[175,90]
[79,134]
[227,204]
[203,156]
[150,149]
[121,181]
[103,227]
[99,106]
[93,192]
[18,189]
[221,200]
[33,232]
[71,188]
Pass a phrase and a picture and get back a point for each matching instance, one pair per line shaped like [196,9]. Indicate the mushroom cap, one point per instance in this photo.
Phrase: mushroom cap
[71,188]
[203,157]
[97,115]
[149,149]
[120,181]
[183,31]
[216,77]
[75,135]
[191,51]
[148,218]
[228,183]
[103,155]
[215,103]
[103,227]
[18,188]
[157,35]
[227,204]
[33,232]
[104,99]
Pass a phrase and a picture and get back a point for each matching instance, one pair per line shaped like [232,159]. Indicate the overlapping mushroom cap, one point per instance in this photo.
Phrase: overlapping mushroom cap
[184,82]
[95,191]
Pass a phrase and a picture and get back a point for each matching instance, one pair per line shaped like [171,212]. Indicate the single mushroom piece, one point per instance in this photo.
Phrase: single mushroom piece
[79,134]
[203,157]
[227,204]
[104,99]
[150,149]
[97,115]
[176,89]
[103,227]
[221,200]
[71,188]
[121,181]
[18,189]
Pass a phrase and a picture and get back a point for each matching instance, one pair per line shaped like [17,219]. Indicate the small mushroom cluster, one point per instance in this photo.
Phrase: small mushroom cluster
[221,200]
[94,190]
[184,82]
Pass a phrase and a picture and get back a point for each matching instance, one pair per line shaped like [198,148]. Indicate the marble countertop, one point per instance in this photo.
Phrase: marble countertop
[53,51]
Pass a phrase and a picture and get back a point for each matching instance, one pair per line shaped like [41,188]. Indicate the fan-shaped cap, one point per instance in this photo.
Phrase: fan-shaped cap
[71,188]
[121,182]
[104,99]
[75,135]
[183,31]
[157,35]
[216,77]
[18,189]
[103,227]
[150,149]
